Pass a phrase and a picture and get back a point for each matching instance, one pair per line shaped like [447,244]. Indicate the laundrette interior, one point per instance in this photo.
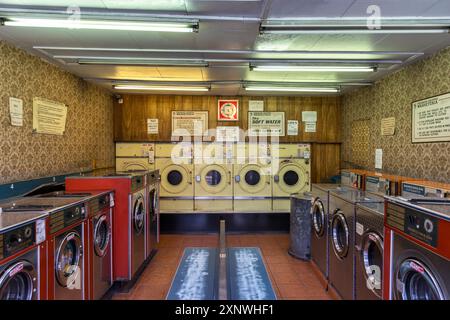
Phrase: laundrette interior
[225,150]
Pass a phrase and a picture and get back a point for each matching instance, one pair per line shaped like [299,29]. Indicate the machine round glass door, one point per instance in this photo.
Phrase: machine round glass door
[139,214]
[214,178]
[251,179]
[67,259]
[339,234]
[291,178]
[18,282]
[318,218]
[102,236]
[372,259]
[175,178]
[415,281]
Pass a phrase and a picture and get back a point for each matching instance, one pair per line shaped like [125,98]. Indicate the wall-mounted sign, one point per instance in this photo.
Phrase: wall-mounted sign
[49,116]
[189,123]
[378,158]
[227,134]
[152,126]
[255,105]
[310,126]
[388,126]
[431,119]
[228,110]
[266,123]
[309,116]
[292,127]
[16,111]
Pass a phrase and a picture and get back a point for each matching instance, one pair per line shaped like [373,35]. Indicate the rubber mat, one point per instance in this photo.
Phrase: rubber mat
[197,275]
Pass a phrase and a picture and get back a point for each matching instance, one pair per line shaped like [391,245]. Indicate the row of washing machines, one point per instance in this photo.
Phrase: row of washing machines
[74,244]
[221,177]
[389,242]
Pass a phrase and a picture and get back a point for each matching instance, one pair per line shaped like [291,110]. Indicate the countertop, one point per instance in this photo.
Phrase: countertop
[9,220]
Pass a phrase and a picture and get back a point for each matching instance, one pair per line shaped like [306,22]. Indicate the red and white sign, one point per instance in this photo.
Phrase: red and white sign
[228,110]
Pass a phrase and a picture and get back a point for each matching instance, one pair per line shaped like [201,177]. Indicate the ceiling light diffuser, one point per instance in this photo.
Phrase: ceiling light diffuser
[293,89]
[296,68]
[159,88]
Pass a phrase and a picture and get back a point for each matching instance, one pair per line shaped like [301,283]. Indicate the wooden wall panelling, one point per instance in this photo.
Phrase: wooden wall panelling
[325,161]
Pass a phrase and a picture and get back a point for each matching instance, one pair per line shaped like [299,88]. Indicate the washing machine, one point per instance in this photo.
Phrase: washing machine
[418,254]
[152,225]
[369,248]
[291,169]
[252,183]
[128,219]
[319,216]
[20,259]
[175,164]
[213,187]
[416,189]
[100,244]
[354,178]
[131,156]
[342,207]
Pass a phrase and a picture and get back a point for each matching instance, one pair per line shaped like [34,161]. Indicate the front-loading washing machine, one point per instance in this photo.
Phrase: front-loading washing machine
[319,216]
[175,164]
[152,225]
[342,207]
[291,169]
[132,156]
[252,183]
[213,187]
[418,255]
[138,224]
[369,248]
[20,265]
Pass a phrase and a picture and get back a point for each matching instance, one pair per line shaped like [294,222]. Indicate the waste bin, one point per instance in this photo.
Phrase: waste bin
[300,226]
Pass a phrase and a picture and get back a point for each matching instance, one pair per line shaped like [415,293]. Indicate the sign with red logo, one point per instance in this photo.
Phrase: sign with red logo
[228,110]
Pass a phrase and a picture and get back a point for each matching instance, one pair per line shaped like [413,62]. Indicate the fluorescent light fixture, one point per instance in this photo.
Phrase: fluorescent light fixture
[159,88]
[102,24]
[293,89]
[141,62]
[296,68]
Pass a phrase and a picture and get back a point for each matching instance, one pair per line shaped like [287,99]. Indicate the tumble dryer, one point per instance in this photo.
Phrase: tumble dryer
[342,207]
[213,186]
[152,225]
[21,268]
[418,254]
[291,169]
[369,246]
[175,164]
[132,156]
[252,183]
[319,232]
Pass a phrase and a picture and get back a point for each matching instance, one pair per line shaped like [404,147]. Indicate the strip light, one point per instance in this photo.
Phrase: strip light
[159,88]
[355,31]
[102,24]
[293,89]
[141,62]
[289,68]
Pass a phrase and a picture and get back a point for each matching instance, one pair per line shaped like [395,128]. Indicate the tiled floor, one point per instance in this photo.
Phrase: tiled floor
[291,278]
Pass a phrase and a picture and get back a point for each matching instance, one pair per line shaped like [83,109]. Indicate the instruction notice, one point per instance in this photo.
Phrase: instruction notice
[292,127]
[431,119]
[49,117]
[16,111]
[388,126]
[189,123]
[266,123]
[152,126]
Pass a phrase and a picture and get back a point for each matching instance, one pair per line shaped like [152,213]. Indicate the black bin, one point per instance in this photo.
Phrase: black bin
[300,226]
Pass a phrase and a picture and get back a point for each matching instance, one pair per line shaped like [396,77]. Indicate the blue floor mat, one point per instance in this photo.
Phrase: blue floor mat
[197,275]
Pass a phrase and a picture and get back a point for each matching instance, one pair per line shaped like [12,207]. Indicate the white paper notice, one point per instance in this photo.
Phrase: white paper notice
[310,126]
[292,129]
[378,158]
[152,126]
[151,152]
[359,229]
[255,105]
[49,116]
[16,111]
[40,231]
[309,116]
[227,133]
[388,126]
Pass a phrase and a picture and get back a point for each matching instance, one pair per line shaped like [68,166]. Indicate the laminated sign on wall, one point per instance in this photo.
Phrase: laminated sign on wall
[152,126]
[189,123]
[49,116]
[431,119]
[266,123]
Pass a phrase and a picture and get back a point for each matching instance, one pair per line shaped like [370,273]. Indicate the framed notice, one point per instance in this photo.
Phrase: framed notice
[431,119]
[228,110]
[266,123]
[49,117]
[189,123]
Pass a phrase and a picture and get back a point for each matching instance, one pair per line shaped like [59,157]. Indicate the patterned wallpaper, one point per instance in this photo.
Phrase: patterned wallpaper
[392,97]
[89,128]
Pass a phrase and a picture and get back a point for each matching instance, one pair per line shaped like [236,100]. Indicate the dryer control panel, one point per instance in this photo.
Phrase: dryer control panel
[414,223]
[67,217]
[17,240]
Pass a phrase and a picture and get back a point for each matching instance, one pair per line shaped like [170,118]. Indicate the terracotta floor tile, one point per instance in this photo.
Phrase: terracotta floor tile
[281,278]
[291,290]
[280,267]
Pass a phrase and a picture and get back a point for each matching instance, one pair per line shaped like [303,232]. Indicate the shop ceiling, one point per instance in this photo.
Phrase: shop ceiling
[233,39]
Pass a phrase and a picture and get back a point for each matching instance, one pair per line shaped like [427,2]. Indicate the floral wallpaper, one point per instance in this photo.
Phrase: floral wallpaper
[392,97]
[89,127]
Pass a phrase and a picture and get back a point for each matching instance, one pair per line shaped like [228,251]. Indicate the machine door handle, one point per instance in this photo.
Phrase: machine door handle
[276,178]
[198,178]
[237,178]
